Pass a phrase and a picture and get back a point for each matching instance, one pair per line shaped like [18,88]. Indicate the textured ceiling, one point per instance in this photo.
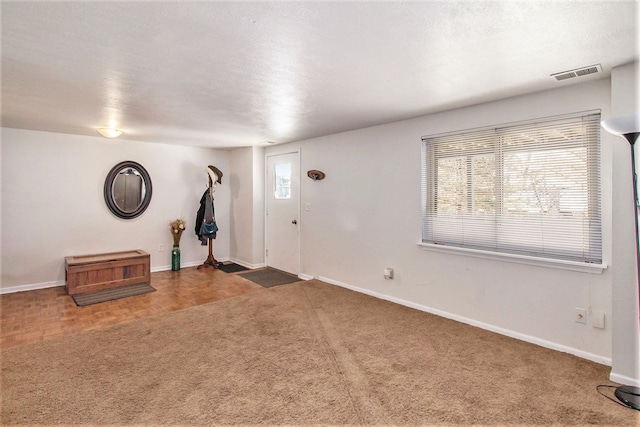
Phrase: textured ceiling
[228,74]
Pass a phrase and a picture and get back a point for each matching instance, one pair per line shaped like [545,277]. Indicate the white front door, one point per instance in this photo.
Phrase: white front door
[283,207]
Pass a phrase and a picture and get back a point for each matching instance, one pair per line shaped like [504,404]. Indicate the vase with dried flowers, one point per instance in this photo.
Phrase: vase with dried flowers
[177,228]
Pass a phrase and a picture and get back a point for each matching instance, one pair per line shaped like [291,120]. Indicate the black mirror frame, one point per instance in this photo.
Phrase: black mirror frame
[108,193]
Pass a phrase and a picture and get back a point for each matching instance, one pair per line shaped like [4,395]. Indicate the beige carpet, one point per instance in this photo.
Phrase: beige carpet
[300,354]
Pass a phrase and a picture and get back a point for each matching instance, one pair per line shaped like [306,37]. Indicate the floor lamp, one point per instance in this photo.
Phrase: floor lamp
[628,126]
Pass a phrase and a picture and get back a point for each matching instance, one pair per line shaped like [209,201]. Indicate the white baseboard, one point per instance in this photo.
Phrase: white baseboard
[623,379]
[195,263]
[502,331]
[31,287]
[247,265]
[305,276]
[168,266]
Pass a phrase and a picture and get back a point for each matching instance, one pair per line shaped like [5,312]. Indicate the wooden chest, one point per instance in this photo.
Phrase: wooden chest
[90,273]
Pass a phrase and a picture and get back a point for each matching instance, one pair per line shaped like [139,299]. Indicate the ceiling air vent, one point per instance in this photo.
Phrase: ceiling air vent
[591,69]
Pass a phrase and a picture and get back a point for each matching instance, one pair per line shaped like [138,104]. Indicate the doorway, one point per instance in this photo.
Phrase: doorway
[283,212]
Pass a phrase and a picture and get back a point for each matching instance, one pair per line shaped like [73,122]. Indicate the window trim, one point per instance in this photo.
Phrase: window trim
[427,175]
[582,267]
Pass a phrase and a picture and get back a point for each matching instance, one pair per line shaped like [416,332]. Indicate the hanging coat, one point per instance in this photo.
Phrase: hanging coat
[206,214]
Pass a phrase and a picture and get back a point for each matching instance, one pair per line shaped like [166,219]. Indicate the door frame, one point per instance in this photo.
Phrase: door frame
[267,194]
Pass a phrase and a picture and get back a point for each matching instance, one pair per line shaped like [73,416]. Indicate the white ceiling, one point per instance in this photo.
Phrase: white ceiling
[228,74]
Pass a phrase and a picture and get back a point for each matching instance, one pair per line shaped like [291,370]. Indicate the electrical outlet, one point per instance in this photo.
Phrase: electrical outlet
[159,248]
[581,315]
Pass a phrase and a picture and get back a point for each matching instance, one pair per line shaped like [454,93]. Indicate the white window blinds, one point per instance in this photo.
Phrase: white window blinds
[528,188]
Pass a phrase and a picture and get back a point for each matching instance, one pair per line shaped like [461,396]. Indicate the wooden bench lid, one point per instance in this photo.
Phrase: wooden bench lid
[106,257]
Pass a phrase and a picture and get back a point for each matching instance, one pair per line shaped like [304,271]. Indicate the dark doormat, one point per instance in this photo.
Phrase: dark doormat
[110,294]
[270,277]
[232,268]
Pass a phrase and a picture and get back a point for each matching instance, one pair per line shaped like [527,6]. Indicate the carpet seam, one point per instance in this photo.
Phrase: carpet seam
[362,419]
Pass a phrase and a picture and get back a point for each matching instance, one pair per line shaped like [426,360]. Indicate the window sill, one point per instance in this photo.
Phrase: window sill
[519,259]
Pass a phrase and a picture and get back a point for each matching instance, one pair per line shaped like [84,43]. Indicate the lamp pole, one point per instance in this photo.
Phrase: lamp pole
[632,137]
[629,128]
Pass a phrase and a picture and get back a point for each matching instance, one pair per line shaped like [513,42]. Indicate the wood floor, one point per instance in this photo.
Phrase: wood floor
[32,316]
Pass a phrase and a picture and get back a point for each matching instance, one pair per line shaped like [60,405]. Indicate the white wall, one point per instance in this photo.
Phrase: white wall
[241,161]
[247,206]
[1,216]
[258,206]
[367,216]
[53,204]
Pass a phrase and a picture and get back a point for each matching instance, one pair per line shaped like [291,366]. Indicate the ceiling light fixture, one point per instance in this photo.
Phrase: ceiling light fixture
[109,132]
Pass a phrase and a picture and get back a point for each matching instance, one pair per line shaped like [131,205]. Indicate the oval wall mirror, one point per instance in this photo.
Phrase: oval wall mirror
[127,189]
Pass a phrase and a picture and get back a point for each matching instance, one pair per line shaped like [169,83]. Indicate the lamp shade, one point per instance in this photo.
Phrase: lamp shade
[622,125]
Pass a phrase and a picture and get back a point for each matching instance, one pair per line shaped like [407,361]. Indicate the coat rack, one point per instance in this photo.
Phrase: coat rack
[214,176]
[210,261]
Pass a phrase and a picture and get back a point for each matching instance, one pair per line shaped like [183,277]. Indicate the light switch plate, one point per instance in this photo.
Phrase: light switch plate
[597,319]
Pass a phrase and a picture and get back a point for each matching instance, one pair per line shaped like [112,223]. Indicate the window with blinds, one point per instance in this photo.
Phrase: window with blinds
[528,188]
